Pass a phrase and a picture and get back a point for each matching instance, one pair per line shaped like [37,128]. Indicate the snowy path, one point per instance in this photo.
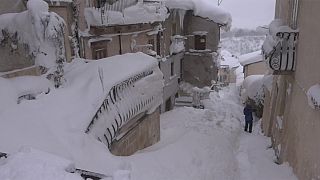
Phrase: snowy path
[208,144]
[256,159]
[196,144]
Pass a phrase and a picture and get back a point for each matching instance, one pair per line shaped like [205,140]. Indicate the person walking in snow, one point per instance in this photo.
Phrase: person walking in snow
[247,111]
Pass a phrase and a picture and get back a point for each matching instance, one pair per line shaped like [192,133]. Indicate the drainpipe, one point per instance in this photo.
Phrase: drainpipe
[295,14]
[120,44]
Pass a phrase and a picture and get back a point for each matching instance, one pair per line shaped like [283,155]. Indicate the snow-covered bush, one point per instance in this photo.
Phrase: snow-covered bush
[41,32]
[253,90]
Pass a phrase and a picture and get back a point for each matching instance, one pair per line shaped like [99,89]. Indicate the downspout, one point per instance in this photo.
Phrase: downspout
[295,14]
[120,44]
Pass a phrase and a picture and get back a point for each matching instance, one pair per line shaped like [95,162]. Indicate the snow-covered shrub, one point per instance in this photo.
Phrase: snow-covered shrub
[253,90]
[40,32]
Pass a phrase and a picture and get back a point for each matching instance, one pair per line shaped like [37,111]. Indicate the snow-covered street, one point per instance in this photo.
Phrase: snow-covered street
[203,144]
[209,144]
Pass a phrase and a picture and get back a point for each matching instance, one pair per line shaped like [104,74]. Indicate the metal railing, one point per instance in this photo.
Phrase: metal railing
[122,103]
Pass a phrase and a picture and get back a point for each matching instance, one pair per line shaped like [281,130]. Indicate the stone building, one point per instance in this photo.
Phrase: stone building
[200,66]
[291,114]
[253,64]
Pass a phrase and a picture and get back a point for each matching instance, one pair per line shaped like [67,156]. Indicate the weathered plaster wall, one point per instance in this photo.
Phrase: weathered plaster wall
[195,23]
[255,68]
[199,69]
[300,132]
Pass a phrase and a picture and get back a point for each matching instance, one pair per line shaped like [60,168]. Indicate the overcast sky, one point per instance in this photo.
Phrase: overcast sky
[249,13]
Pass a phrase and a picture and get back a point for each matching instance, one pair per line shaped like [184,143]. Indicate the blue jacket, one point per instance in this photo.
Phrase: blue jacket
[247,111]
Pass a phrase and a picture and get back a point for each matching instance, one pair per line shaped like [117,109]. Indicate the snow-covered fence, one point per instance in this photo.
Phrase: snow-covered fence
[135,96]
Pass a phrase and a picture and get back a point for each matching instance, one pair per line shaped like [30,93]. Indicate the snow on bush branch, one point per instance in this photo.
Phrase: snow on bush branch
[42,32]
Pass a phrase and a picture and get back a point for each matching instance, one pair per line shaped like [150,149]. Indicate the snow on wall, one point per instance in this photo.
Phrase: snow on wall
[177,45]
[139,13]
[34,28]
[314,96]
[203,8]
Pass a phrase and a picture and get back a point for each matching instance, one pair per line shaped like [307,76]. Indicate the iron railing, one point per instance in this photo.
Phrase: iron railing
[122,103]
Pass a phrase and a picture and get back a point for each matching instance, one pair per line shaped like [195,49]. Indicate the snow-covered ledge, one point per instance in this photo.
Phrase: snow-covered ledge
[279,48]
[314,96]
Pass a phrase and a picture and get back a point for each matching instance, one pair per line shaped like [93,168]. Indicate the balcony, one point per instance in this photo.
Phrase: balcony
[279,48]
[126,103]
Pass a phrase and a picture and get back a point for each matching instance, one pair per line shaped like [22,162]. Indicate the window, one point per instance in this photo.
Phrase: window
[151,41]
[172,68]
[100,53]
[200,42]
[159,35]
[99,49]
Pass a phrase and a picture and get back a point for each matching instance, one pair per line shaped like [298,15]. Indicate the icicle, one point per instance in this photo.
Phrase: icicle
[182,13]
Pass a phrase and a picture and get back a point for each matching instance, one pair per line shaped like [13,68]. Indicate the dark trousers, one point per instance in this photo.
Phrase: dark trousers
[248,125]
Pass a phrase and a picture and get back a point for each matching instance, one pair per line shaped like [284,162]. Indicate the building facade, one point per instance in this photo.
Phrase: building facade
[291,116]
[200,66]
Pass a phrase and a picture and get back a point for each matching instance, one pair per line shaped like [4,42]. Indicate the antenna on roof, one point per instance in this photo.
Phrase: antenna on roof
[219,2]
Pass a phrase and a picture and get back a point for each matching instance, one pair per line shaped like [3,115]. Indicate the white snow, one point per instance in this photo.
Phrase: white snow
[253,87]
[195,144]
[31,164]
[250,58]
[56,122]
[203,8]
[31,85]
[314,96]
[139,13]
[177,44]
[279,121]
[229,59]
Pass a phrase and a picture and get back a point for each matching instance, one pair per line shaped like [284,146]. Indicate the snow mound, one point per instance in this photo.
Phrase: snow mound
[13,88]
[253,88]
[203,8]
[139,13]
[30,164]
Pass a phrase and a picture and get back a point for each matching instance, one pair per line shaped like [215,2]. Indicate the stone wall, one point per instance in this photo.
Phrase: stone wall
[199,69]
[143,134]
[194,23]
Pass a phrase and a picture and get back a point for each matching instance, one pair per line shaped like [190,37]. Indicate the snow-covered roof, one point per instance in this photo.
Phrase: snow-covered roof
[203,8]
[139,13]
[250,58]
[229,60]
[56,122]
